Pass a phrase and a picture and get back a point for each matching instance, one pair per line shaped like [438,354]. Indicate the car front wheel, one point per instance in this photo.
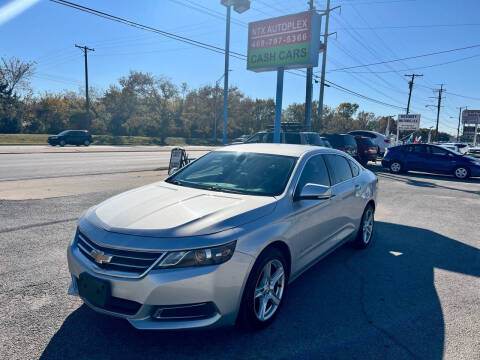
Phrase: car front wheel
[62,142]
[264,291]
[461,173]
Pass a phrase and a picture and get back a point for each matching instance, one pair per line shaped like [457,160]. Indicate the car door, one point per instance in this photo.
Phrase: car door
[440,160]
[343,202]
[312,221]
[416,158]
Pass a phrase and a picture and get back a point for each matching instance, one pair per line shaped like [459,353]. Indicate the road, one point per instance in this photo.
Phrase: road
[73,161]
[414,294]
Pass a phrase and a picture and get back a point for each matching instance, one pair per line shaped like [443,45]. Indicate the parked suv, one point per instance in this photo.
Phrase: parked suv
[367,150]
[380,140]
[290,137]
[344,142]
[71,137]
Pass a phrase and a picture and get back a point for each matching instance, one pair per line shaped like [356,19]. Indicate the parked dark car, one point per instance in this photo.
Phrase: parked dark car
[367,150]
[344,142]
[432,159]
[71,137]
[290,137]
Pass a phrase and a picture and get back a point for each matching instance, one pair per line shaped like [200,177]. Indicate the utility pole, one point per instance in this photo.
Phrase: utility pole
[324,59]
[87,101]
[410,86]
[459,118]
[439,103]
[309,87]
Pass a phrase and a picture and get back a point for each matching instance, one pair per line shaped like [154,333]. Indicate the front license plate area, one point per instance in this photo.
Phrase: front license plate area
[95,291]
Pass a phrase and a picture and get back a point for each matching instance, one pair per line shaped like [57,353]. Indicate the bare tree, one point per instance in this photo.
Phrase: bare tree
[15,74]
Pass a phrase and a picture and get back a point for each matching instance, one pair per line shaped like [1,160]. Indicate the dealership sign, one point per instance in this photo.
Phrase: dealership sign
[408,122]
[471,116]
[289,42]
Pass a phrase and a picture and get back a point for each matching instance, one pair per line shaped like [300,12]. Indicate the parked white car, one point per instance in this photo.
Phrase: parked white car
[383,142]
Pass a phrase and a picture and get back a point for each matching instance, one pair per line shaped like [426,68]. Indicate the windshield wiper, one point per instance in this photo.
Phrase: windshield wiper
[216,188]
[175,182]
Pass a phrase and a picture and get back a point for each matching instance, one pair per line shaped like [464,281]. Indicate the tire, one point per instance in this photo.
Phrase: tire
[86,143]
[62,143]
[461,172]
[365,232]
[250,313]
[396,167]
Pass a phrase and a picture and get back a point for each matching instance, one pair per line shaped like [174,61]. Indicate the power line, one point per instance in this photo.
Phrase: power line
[401,59]
[409,26]
[148,28]
[417,67]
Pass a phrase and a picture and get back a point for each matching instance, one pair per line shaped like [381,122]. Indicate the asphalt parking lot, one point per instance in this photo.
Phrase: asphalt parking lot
[414,294]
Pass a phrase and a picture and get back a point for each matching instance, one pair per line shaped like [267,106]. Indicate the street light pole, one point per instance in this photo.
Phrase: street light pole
[225,83]
[239,6]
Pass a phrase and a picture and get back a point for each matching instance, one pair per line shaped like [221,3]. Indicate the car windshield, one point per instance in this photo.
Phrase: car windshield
[238,172]
[63,132]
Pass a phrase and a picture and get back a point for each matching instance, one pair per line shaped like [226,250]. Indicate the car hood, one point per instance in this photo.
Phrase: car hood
[166,210]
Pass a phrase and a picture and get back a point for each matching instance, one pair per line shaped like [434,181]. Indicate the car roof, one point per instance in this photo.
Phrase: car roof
[278,149]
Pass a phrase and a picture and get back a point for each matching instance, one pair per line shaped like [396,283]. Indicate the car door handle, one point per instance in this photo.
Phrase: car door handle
[357,187]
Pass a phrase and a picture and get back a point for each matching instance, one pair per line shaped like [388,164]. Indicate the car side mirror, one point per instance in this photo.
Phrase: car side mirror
[315,192]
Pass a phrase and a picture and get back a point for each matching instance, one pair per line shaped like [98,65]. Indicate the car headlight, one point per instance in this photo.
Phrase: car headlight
[198,257]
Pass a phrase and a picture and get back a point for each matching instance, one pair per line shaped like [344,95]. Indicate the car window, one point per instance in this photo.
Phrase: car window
[292,138]
[315,172]
[355,168]
[416,148]
[437,151]
[349,140]
[268,138]
[338,168]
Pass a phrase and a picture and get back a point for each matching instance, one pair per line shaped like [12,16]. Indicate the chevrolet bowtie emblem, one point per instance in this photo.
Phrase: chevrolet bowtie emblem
[100,257]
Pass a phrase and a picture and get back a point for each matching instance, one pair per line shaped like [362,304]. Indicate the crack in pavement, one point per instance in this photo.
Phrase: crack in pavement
[24,227]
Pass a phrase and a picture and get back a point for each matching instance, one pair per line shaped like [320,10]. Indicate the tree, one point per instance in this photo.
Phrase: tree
[15,74]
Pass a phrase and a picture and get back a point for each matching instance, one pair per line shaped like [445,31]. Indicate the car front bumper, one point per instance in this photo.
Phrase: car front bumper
[219,285]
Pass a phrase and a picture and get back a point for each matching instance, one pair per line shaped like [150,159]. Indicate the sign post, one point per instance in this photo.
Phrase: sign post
[286,42]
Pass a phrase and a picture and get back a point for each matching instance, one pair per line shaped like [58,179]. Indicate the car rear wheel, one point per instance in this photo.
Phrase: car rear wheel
[365,232]
[395,167]
[264,291]
[461,173]
[62,142]
[86,142]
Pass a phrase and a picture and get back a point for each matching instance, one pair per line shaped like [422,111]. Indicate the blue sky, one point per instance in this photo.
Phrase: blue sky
[368,31]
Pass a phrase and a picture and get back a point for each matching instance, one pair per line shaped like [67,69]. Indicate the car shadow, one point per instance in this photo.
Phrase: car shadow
[380,303]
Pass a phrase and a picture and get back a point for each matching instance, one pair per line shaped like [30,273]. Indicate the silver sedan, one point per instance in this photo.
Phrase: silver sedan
[218,242]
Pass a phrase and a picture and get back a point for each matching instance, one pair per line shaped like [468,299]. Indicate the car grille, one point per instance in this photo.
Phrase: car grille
[126,263]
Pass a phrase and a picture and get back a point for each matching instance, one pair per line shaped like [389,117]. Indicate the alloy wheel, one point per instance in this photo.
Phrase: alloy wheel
[269,290]
[461,173]
[395,167]
[367,226]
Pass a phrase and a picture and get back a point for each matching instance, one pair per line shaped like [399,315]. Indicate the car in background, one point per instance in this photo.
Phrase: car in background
[383,142]
[240,139]
[432,159]
[474,151]
[290,137]
[367,150]
[219,241]
[71,137]
[343,142]
[458,147]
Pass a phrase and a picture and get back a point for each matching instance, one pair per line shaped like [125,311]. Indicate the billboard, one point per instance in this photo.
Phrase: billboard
[408,122]
[471,116]
[289,42]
